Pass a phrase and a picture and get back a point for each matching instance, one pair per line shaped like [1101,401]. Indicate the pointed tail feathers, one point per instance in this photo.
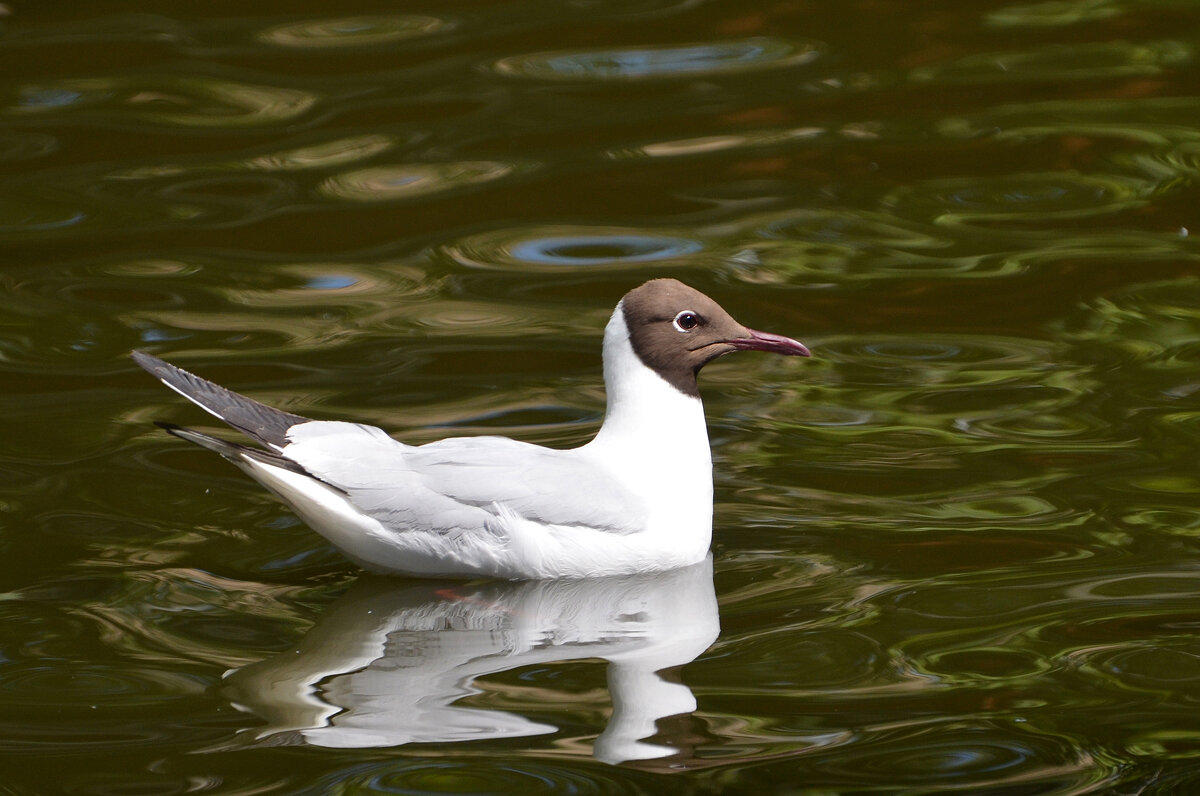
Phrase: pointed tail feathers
[238,454]
[258,421]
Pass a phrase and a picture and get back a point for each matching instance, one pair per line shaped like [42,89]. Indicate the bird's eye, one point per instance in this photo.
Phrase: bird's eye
[686,321]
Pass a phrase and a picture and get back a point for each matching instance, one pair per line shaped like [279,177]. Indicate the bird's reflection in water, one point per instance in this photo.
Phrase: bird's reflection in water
[389,661]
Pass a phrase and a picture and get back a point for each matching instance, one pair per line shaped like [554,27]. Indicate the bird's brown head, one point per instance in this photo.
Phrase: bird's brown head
[675,330]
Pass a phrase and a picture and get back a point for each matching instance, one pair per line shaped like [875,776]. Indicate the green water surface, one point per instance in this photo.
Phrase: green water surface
[958,551]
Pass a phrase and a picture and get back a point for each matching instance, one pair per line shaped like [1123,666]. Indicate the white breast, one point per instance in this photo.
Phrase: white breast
[655,440]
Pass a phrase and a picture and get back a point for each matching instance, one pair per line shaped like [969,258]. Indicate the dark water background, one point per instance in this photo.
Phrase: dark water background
[955,552]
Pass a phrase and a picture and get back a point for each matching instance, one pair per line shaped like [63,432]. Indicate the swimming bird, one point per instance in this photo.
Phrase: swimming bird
[636,498]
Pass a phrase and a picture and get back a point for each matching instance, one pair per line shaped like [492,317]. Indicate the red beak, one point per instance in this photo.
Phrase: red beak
[765,341]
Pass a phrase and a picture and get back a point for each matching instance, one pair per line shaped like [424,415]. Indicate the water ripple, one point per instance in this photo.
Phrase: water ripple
[561,247]
[19,217]
[26,145]
[1160,120]
[993,752]
[970,664]
[1056,63]
[223,191]
[189,101]
[163,613]
[483,319]
[335,152]
[473,775]
[838,246]
[359,31]
[1039,425]
[1153,325]
[958,359]
[819,660]
[664,61]
[324,154]
[1039,198]
[943,410]
[389,183]
[722,144]
[1164,666]
[1054,13]
[63,685]
[307,306]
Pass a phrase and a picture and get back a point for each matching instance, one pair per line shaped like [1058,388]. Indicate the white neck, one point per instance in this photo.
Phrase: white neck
[656,433]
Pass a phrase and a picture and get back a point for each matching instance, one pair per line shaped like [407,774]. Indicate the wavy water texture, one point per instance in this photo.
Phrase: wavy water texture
[955,551]
[362,31]
[649,63]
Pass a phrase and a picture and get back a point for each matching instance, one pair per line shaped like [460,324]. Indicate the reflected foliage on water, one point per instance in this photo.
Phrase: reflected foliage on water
[955,552]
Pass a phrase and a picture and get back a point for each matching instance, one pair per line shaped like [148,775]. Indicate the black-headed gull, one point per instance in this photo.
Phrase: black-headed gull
[637,498]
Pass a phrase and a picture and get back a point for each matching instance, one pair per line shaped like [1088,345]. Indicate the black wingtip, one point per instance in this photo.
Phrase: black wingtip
[147,361]
[160,368]
[259,421]
[235,452]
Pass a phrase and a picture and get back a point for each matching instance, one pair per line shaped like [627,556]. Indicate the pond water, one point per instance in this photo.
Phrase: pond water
[956,551]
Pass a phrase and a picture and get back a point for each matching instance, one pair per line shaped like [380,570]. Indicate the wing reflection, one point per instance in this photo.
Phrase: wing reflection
[388,663]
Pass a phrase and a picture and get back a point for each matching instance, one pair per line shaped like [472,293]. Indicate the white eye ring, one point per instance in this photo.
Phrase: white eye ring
[686,321]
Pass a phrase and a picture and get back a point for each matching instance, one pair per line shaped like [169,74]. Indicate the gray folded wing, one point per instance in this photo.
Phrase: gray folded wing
[459,484]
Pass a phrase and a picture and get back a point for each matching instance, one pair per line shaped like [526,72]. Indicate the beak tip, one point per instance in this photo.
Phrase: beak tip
[774,343]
